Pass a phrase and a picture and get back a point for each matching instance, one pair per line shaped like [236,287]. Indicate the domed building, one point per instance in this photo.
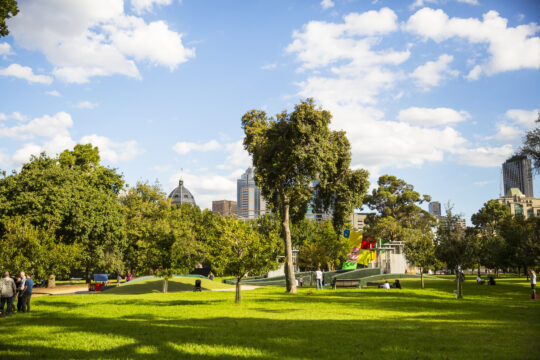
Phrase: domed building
[181,195]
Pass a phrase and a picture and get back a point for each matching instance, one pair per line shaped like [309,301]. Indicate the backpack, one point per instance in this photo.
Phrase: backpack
[5,289]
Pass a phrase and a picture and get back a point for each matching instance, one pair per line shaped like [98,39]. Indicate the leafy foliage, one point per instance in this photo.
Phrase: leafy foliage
[8,9]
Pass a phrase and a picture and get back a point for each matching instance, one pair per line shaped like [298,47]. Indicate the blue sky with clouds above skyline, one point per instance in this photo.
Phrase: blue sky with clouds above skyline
[438,92]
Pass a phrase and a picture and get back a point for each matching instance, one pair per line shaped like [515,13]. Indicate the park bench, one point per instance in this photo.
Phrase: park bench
[345,283]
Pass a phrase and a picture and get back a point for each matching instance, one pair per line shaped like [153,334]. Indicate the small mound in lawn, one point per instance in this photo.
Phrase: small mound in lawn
[175,285]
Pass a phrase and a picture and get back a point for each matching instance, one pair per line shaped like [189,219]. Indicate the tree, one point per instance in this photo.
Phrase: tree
[8,8]
[77,204]
[454,244]
[322,248]
[290,153]
[531,145]
[245,249]
[419,250]
[490,245]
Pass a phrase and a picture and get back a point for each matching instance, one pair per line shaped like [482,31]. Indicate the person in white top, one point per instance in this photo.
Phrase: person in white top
[533,284]
[386,285]
[319,277]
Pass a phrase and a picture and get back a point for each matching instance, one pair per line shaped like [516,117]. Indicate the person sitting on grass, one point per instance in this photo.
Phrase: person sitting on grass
[396,284]
[211,276]
[491,281]
[386,285]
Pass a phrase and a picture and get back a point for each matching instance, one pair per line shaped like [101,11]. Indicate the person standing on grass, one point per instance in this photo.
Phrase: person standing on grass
[27,293]
[7,289]
[319,276]
[533,283]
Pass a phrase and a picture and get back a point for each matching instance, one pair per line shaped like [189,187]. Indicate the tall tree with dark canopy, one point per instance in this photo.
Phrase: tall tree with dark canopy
[293,151]
[8,9]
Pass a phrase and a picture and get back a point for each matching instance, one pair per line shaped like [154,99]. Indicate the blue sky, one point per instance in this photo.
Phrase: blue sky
[437,92]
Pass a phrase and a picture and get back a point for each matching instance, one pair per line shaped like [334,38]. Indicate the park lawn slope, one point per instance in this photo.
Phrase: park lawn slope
[176,284]
[491,322]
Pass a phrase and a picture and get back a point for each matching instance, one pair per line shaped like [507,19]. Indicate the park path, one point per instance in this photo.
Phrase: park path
[83,289]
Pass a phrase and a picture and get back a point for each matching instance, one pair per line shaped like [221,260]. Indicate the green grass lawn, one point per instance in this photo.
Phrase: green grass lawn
[499,322]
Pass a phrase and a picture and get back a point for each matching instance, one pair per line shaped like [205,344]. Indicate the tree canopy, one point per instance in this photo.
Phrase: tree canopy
[292,154]
[8,9]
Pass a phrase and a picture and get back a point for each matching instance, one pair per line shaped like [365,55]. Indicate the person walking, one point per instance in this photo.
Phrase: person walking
[7,290]
[319,276]
[27,293]
[533,284]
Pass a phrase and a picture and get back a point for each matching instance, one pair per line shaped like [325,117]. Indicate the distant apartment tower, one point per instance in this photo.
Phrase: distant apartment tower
[517,173]
[435,208]
[224,207]
[250,203]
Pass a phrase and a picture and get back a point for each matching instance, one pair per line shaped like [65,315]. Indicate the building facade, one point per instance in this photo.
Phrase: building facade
[181,195]
[520,204]
[435,208]
[358,221]
[517,173]
[250,203]
[224,207]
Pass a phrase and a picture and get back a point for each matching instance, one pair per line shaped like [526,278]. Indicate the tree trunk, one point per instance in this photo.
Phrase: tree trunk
[422,276]
[478,269]
[238,297]
[87,275]
[459,294]
[289,266]
[52,281]
[165,285]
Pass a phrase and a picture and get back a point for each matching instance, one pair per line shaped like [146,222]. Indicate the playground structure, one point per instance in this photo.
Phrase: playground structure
[359,277]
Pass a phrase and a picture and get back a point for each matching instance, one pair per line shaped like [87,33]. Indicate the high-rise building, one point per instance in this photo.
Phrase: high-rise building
[181,195]
[520,204]
[435,208]
[517,173]
[224,207]
[250,203]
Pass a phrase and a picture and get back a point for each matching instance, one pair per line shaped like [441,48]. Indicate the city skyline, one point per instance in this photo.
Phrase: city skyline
[438,93]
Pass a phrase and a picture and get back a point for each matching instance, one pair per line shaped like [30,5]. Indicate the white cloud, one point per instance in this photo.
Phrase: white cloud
[183,148]
[485,156]
[14,115]
[525,118]
[321,43]
[327,4]
[112,151]
[45,126]
[432,116]
[511,48]
[269,66]
[421,3]
[26,73]
[88,38]
[86,105]
[470,2]
[53,93]
[140,6]
[349,77]
[518,122]
[5,49]
[433,72]
[237,157]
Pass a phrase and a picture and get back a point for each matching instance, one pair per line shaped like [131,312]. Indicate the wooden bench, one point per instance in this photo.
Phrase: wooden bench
[345,283]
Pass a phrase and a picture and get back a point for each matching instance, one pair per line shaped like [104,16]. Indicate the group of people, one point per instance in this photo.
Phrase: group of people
[395,285]
[490,281]
[19,288]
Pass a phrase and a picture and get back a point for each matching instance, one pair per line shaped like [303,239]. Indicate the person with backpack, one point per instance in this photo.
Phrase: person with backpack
[7,290]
